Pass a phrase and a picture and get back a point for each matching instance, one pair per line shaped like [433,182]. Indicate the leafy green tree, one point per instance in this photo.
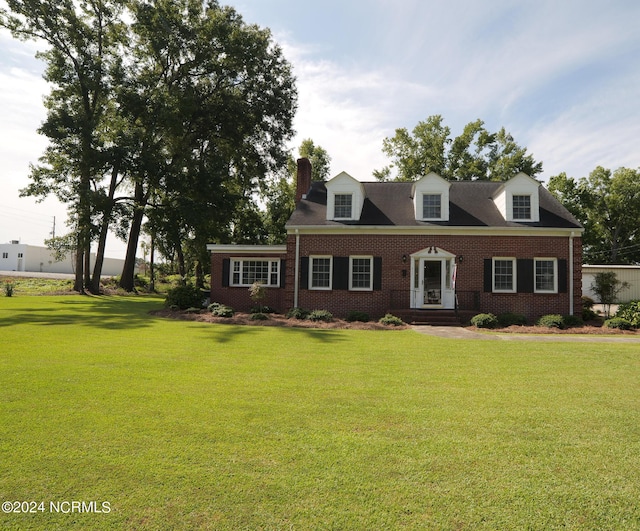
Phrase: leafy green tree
[319,158]
[84,42]
[213,101]
[607,287]
[280,192]
[607,204]
[476,154]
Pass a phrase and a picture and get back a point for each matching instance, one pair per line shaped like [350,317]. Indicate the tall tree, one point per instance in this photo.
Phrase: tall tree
[83,42]
[213,99]
[476,154]
[608,206]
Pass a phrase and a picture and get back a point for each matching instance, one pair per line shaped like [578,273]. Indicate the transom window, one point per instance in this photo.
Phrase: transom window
[546,275]
[361,273]
[431,206]
[245,272]
[320,272]
[521,207]
[504,277]
[342,205]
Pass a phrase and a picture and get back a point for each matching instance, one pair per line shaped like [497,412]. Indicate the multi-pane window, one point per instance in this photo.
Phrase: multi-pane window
[504,274]
[521,207]
[342,205]
[361,273]
[320,272]
[545,275]
[5,255]
[246,272]
[431,206]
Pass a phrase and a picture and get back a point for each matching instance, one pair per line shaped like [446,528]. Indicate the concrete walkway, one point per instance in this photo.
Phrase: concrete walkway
[455,332]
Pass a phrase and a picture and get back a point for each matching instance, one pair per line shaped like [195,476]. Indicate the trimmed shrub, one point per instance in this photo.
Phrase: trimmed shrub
[356,315]
[587,309]
[321,315]
[391,320]
[221,310]
[631,312]
[618,323]
[262,309]
[551,321]
[183,297]
[297,313]
[259,316]
[484,320]
[573,320]
[509,319]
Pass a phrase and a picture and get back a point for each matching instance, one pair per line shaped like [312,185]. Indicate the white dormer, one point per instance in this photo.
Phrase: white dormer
[518,199]
[345,198]
[431,198]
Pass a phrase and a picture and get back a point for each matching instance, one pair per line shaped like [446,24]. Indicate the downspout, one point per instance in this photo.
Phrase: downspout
[296,280]
[571,273]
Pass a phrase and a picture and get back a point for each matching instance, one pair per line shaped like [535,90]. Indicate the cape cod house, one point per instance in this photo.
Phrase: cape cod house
[420,250]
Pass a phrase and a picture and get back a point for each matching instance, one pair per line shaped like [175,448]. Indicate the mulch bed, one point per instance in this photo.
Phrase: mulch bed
[274,319]
[589,329]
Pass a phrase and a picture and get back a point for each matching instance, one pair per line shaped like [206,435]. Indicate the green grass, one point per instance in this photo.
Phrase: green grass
[35,286]
[183,425]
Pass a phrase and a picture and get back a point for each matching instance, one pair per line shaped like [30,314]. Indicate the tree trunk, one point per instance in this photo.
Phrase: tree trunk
[152,276]
[79,280]
[128,271]
[104,230]
[182,270]
[87,266]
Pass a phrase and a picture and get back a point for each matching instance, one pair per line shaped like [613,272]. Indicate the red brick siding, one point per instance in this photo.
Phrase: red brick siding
[238,297]
[396,284]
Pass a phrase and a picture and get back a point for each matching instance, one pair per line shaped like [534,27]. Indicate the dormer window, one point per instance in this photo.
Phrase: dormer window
[345,198]
[343,206]
[431,198]
[522,207]
[518,199]
[432,206]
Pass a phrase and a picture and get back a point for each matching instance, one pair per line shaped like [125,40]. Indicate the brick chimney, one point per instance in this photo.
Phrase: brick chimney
[303,182]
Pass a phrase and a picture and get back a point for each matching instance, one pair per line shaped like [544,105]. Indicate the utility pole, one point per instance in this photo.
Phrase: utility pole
[53,232]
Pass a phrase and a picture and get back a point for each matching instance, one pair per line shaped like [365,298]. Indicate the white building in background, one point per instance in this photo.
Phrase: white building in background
[16,256]
[625,273]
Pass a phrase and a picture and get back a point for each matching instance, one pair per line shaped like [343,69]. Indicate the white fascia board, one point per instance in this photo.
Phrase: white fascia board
[445,231]
[254,249]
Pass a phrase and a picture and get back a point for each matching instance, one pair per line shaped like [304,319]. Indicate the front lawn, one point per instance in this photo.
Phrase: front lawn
[187,425]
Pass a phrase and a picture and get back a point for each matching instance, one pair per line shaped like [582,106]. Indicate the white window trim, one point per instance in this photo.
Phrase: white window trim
[316,257]
[271,261]
[514,285]
[555,274]
[513,217]
[370,258]
[335,195]
[424,217]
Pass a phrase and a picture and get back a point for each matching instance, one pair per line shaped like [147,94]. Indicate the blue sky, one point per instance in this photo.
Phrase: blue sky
[562,77]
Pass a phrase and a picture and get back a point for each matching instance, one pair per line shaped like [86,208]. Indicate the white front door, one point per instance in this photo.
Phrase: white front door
[432,279]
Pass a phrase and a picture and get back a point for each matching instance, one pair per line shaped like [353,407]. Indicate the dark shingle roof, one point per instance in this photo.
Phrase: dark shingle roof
[390,204]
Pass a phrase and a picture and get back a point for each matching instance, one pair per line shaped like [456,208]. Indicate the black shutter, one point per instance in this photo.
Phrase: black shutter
[377,273]
[340,272]
[283,272]
[562,275]
[488,275]
[525,275]
[304,272]
[226,267]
